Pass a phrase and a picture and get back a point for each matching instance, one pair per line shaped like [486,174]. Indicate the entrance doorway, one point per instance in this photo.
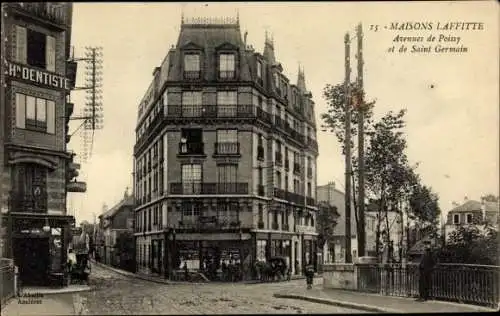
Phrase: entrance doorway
[31,255]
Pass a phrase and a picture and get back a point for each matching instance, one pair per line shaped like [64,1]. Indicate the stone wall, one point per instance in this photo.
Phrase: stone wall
[340,276]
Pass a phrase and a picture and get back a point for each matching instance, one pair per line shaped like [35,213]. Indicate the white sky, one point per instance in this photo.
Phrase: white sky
[452,129]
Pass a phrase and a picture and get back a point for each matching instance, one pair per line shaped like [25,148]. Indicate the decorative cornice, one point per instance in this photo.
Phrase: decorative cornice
[20,157]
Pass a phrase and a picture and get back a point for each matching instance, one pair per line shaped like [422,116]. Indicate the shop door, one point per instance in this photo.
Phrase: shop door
[32,257]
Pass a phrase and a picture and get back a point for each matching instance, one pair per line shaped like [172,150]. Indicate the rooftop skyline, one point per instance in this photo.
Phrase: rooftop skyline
[452,129]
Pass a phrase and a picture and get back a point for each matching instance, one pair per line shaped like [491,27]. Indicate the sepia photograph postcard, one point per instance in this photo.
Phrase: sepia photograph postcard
[296,157]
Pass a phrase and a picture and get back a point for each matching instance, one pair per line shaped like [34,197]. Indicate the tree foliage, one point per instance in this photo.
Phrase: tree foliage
[389,178]
[326,221]
[472,244]
[490,198]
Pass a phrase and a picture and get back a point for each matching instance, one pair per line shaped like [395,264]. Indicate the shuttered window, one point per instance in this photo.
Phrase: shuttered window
[34,48]
[20,53]
[50,53]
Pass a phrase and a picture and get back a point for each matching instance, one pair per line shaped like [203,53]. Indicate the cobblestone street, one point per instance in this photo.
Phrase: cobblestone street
[118,294]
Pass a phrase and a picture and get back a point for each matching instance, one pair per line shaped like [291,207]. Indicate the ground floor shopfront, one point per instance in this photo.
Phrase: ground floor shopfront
[38,244]
[162,253]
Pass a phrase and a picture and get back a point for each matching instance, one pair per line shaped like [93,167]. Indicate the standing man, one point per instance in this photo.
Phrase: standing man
[425,281]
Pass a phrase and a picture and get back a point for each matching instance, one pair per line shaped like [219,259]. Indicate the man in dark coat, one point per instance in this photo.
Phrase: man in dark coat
[425,280]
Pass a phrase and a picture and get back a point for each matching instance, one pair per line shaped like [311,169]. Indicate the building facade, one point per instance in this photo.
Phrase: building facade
[225,157]
[329,194]
[114,223]
[34,163]
[471,212]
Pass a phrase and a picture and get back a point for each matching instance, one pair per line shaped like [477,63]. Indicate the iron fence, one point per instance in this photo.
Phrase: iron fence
[466,283]
[472,284]
[8,277]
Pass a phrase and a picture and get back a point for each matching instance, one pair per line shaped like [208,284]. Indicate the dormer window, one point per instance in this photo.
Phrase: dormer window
[227,66]
[456,219]
[192,66]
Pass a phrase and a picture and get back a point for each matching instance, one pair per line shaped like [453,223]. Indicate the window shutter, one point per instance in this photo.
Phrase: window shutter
[51,115]
[50,53]
[20,110]
[21,48]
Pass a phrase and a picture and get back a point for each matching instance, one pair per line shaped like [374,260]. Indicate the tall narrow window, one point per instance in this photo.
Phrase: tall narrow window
[278,180]
[191,178]
[259,69]
[36,43]
[226,66]
[191,66]
[191,104]
[227,103]
[227,175]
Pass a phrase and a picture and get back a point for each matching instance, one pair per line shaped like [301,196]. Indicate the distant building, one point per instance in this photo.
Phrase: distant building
[116,221]
[225,157]
[471,212]
[328,193]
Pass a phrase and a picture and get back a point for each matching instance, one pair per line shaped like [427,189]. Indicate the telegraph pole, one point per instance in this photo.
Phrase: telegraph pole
[361,145]
[348,171]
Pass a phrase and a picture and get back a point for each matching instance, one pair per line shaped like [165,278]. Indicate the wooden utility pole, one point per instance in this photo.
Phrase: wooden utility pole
[361,145]
[348,168]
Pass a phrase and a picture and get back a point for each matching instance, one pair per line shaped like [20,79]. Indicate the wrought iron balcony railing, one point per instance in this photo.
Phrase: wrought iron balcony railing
[188,188]
[310,201]
[191,148]
[55,13]
[279,193]
[192,75]
[227,75]
[226,148]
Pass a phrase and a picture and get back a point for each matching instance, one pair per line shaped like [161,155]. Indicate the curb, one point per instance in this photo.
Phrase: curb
[325,301]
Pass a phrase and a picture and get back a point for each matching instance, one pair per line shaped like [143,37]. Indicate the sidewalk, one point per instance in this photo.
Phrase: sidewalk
[376,303]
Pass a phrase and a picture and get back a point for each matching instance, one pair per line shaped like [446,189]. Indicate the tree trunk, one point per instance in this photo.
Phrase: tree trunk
[379,221]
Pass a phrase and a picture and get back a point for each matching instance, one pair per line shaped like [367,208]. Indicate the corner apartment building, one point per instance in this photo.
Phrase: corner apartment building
[34,163]
[225,157]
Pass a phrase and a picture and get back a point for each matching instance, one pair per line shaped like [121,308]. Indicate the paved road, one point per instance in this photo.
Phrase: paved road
[123,295]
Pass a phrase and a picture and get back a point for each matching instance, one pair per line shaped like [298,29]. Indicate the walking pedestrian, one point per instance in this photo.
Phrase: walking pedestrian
[425,281]
[309,272]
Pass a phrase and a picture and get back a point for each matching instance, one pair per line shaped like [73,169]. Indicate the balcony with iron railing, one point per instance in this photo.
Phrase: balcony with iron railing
[227,149]
[192,75]
[227,75]
[202,223]
[191,148]
[211,111]
[195,188]
[275,226]
[279,193]
[295,198]
[310,201]
[264,116]
[52,12]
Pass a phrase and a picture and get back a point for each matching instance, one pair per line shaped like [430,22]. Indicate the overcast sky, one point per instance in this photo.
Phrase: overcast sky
[452,128]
